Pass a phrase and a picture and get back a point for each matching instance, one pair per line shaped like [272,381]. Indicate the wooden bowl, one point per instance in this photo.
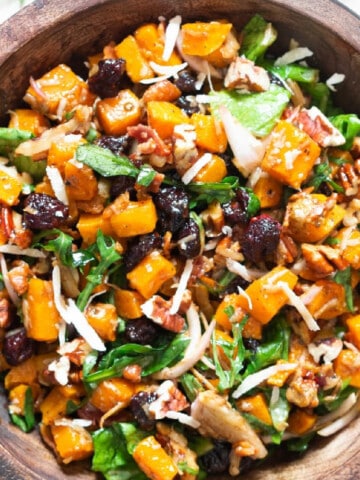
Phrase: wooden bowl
[52,31]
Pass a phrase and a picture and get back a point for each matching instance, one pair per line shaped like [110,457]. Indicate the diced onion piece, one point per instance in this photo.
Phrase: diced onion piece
[28,252]
[183,418]
[340,423]
[194,351]
[293,55]
[171,35]
[239,269]
[195,169]
[296,302]
[37,88]
[10,290]
[257,378]
[57,184]
[247,149]
[335,79]
[72,315]
[176,300]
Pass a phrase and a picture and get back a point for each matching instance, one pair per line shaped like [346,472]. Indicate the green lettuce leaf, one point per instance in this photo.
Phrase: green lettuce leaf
[258,35]
[104,162]
[10,138]
[349,126]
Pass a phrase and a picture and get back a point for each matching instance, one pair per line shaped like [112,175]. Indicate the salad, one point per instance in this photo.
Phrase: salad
[180,254]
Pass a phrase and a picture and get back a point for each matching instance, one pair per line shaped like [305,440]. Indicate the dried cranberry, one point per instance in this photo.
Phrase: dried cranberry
[137,403]
[42,211]
[107,81]
[261,238]
[18,347]
[139,248]
[188,107]
[216,460]
[188,239]
[118,145]
[121,184]
[173,208]
[141,330]
[235,211]
[90,412]
[186,82]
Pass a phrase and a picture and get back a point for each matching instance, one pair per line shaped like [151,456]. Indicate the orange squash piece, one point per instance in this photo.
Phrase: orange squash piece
[301,421]
[10,189]
[88,226]
[347,366]
[257,406]
[112,392]
[213,171]
[163,91]
[63,150]
[29,120]
[153,460]
[351,250]
[54,405]
[128,303]
[269,191]
[62,89]
[203,38]
[41,319]
[134,218]
[149,275]
[210,133]
[353,324]
[164,116]
[72,442]
[103,318]
[117,113]
[150,38]
[137,67]
[80,180]
[290,154]
[329,302]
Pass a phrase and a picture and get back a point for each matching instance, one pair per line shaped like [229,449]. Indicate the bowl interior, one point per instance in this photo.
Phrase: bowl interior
[52,31]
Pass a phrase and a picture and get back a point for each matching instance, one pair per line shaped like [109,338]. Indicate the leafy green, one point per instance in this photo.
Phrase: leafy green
[222,191]
[258,35]
[107,255]
[104,162]
[258,112]
[146,175]
[26,164]
[10,138]
[259,425]
[26,422]
[111,455]
[300,444]
[253,205]
[275,346]
[279,411]
[343,277]
[326,405]
[191,385]
[292,71]
[322,174]
[349,126]
[151,359]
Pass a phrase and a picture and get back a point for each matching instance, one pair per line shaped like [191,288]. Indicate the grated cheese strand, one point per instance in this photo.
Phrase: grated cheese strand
[195,169]
[184,279]
[171,35]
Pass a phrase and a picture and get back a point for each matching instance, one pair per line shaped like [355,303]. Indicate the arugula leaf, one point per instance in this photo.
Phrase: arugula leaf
[62,245]
[258,112]
[349,126]
[322,174]
[258,35]
[259,425]
[275,346]
[326,405]
[111,455]
[146,175]
[292,71]
[222,191]
[27,422]
[191,385]
[343,277]
[10,138]
[104,162]
[107,256]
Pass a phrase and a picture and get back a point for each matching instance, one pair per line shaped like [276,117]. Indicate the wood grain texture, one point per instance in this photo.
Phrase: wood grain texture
[52,31]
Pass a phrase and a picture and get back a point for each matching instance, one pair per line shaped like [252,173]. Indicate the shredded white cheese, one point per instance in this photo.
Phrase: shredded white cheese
[61,369]
[184,279]
[171,35]
[239,269]
[294,55]
[57,184]
[195,169]
[340,423]
[183,418]
[335,79]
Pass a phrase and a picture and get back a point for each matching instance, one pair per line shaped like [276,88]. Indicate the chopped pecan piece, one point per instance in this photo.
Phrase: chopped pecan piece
[244,74]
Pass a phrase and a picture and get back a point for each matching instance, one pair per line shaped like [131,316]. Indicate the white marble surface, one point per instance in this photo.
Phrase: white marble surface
[9,7]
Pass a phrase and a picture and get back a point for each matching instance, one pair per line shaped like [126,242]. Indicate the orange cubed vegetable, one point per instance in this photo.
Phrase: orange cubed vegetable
[351,249]
[203,38]
[103,318]
[112,392]
[301,421]
[164,116]
[150,38]
[213,171]
[329,301]
[80,180]
[17,397]
[210,133]
[54,405]
[128,303]
[88,226]
[164,91]
[226,53]
[10,189]
[257,406]
[153,460]
[290,154]
[231,307]
[72,442]
[136,65]
[134,218]
[41,318]
[148,276]
[353,324]
[63,150]
[266,297]
[117,113]
[25,373]
[347,366]
[279,378]
[269,191]
[61,89]
[310,218]
[29,120]
[252,329]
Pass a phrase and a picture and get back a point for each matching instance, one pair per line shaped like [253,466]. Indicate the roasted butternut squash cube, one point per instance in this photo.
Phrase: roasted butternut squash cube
[203,38]
[353,324]
[150,38]
[290,154]
[347,366]
[10,189]
[103,318]
[80,180]
[117,113]
[149,275]
[29,120]
[256,405]
[269,191]
[72,442]
[329,301]
[63,150]
[351,249]
[128,303]
[153,460]
[301,421]
[112,392]
[58,92]
[134,218]
[137,67]
[210,133]
[88,226]
[41,318]
[164,116]
[213,171]
[54,405]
